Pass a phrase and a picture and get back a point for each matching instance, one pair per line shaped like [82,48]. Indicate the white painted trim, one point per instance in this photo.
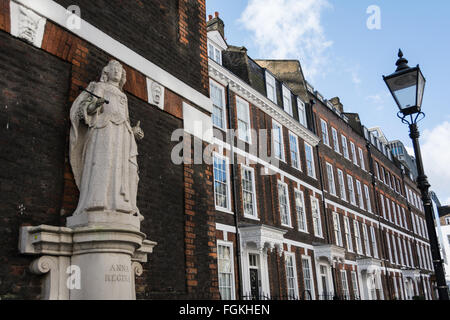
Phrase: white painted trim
[224,227]
[233,282]
[255,198]
[239,87]
[58,14]
[298,244]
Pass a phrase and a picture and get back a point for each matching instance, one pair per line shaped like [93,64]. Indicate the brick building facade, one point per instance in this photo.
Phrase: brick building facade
[293,217]
[337,216]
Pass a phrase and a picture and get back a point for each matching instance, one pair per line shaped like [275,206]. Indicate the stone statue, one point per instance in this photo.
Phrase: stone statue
[103,149]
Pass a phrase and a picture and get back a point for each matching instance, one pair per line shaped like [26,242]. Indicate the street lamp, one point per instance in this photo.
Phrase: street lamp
[407,87]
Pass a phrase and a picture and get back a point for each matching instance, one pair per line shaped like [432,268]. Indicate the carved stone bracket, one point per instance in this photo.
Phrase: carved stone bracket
[26,24]
[263,238]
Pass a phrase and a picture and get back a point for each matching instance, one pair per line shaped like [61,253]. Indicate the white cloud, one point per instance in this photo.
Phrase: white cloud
[289,29]
[435,146]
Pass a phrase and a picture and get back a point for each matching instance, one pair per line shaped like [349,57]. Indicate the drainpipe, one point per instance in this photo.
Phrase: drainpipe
[234,176]
[324,209]
[377,209]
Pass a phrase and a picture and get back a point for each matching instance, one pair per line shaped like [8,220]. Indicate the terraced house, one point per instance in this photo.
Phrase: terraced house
[338,216]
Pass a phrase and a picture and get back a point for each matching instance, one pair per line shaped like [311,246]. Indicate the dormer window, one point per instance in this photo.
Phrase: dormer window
[214,53]
[287,100]
[301,112]
[271,88]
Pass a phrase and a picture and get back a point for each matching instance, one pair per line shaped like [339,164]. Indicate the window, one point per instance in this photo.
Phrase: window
[284,204]
[277,133]
[447,220]
[307,278]
[243,118]
[335,140]
[405,222]
[410,254]
[388,206]
[351,190]
[394,245]
[355,285]
[389,247]
[325,138]
[345,147]
[408,257]
[366,240]
[374,242]
[361,159]
[357,237]
[394,213]
[352,147]
[344,282]
[291,276]
[324,282]
[214,53]
[414,223]
[301,214]
[248,192]
[383,175]
[367,194]
[301,112]
[287,101]
[383,208]
[221,186]
[360,195]
[225,267]
[271,88]
[337,229]
[348,234]
[342,185]
[218,100]
[310,167]
[330,176]
[400,220]
[400,248]
[295,156]
[316,218]
[377,170]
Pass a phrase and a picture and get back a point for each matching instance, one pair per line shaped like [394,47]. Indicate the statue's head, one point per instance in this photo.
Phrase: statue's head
[115,73]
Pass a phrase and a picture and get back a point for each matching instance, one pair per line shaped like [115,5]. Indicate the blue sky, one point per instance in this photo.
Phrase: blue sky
[342,57]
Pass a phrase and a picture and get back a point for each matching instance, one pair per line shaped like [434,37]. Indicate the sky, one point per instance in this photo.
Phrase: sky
[345,47]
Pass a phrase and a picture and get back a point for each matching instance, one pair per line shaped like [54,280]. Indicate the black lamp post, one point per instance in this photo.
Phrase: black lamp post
[407,87]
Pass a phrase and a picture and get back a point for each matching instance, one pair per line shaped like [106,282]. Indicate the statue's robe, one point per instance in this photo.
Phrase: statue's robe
[103,152]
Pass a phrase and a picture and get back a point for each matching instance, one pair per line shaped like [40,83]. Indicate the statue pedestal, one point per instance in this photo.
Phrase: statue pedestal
[96,257]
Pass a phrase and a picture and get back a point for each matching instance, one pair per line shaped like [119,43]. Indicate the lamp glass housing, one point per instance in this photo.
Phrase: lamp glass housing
[407,87]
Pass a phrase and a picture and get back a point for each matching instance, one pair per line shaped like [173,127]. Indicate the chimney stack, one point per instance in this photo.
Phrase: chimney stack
[216,24]
[336,102]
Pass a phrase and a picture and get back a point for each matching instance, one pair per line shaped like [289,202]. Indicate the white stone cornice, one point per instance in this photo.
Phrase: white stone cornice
[225,77]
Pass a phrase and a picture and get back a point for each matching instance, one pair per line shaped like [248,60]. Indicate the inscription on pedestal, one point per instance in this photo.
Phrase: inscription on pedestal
[118,273]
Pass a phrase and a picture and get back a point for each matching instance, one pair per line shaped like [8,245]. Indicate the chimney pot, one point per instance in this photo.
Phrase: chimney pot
[210,17]
[216,14]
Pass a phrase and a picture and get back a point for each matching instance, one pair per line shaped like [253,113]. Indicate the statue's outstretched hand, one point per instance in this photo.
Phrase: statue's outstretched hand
[138,132]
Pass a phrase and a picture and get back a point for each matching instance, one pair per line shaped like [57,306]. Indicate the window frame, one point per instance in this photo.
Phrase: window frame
[313,165]
[287,94]
[317,222]
[342,188]
[297,151]
[354,156]
[213,83]
[305,219]
[302,111]
[361,159]
[291,255]
[325,133]
[228,184]
[351,191]
[336,146]
[270,80]
[331,186]
[254,196]
[233,282]
[348,234]
[282,151]
[337,230]
[288,207]
[215,49]
[345,151]
[240,102]
[311,275]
